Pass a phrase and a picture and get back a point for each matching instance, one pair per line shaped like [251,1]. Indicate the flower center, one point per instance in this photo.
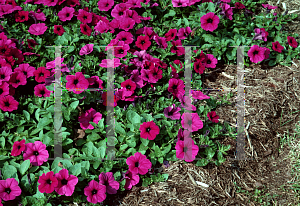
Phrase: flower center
[185,149]
[124,39]
[120,13]
[143,42]
[64,182]
[36,153]
[208,61]
[106,5]
[42,92]
[19,147]
[6,104]
[148,129]
[41,74]
[94,192]
[7,190]
[137,164]
[209,21]
[2,76]
[67,15]
[75,81]
[255,52]
[190,122]
[49,181]
[128,87]
[174,87]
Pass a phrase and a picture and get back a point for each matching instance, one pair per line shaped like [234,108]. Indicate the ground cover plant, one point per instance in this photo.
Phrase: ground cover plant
[149,83]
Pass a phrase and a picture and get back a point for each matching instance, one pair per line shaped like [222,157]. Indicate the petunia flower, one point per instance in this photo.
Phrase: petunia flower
[176,87]
[41,91]
[21,16]
[107,179]
[66,183]
[182,133]
[209,22]
[40,74]
[26,69]
[180,3]
[89,116]
[17,79]
[143,42]
[84,16]
[199,95]
[8,103]
[36,152]
[114,64]
[37,29]
[4,89]
[95,192]
[177,47]
[171,34]
[138,164]
[18,148]
[105,5]
[125,36]
[172,112]
[186,150]
[128,85]
[9,189]
[212,116]
[292,42]
[48,182]
[256,54]
[77,81]
[131,179]
[210,61]
[277,47]
[5,73]
[191,122]
[66,13]
[184,32]
[59,30]
[226,10]
[260,34]
[149,130]
[87,49]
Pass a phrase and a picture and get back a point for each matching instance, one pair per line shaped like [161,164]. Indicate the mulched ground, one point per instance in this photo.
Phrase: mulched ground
[271,96]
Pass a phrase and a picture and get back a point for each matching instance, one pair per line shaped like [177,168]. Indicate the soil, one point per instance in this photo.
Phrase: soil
[271,99]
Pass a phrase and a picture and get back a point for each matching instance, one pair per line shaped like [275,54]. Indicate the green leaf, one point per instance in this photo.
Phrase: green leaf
[133,117]
[172,13]
[102,148]
[27,115]
[24,166]
[93,137]
[178,22]
[85,167]
[201,163]
[209,152]
[123,147]
[88,148]
[70,49]
[74,105]
[2,142]
[211,7]
[119,129]
[186,22]
[75,169]
[9,171]
[145,141]
[208,38]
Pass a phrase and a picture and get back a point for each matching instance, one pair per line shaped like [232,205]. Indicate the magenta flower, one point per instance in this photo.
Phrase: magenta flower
[131,179]
[125,36]
[41,74]
[4,89]
[114,64]
[105,5]
[134,3]
[129,85]
[87,49]
[199,67]
[85,29]
[180,3]
[8,103]
[95,82]
[209,22]
[18,148]
[260,34]
[66,13]
[292,42]
[26,69]
[84,16]
[41,91]
[59,30]
[17,78]
[212,116]
[143,42]
[267,52]
[102,27]
[121,52]
[269,6]
[36,152]
[51,65]
[161,42]
[226,11]
[239,5]
[66,182]
[172,112]
[50,2]
[89,116]
[95,192]
[48,182]
[277,47]
[199,95]
[178,50]
[37,29]
[77,81]
[119,11]
[186,102]
[256,54]
[183,133]
[211,61]
[171,34]
[108,180]
[9,189]
[184,32]
[186,150]
[193,122]
[149,130]
[5,73]
[176,87]
[138,164]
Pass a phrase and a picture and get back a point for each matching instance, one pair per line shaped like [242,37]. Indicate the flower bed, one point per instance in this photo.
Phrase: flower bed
[151,127]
